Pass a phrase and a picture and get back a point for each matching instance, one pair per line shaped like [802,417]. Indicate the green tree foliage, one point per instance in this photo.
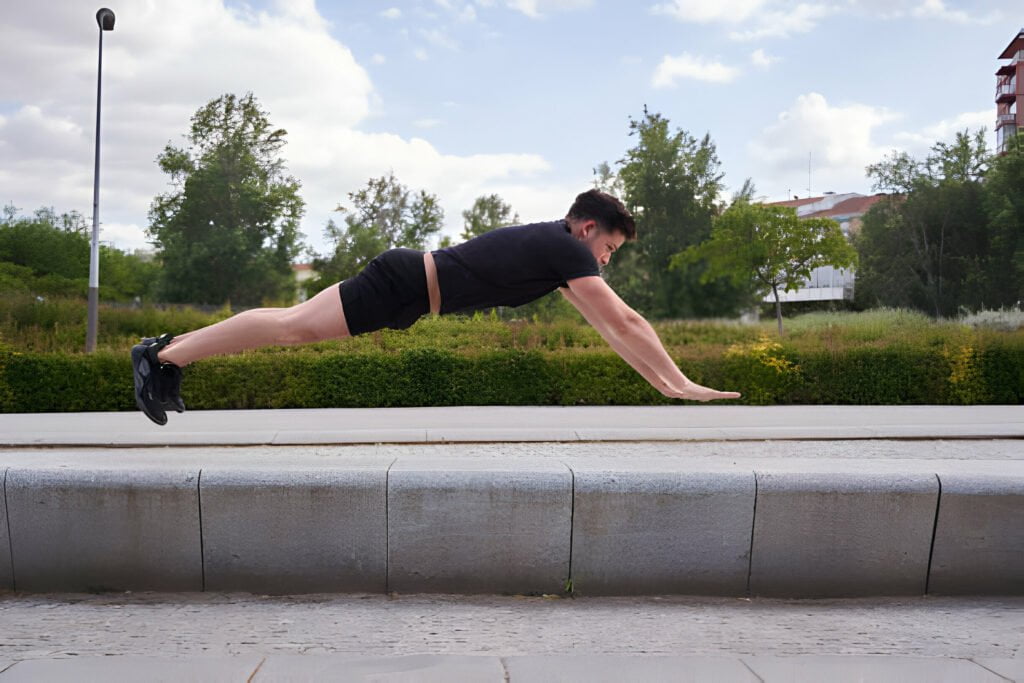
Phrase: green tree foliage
[384,214]
[1003,197]
[769,247]
[229,228]
[487,213]
[48,254]
[943,240]
[671,182]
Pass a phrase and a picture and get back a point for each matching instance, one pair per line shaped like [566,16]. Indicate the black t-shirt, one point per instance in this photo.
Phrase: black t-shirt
[510,266]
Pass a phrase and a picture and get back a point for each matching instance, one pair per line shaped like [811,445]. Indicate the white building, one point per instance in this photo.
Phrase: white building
[828,283]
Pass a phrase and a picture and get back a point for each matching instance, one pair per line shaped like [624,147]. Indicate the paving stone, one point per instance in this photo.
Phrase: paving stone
[658,531]
[979,536]
[874,668]
[296,530]
[842,534]
[407,669]
[104,529]
[6,569]
[478,525]
[617,668]
[1011,668]
[130,669]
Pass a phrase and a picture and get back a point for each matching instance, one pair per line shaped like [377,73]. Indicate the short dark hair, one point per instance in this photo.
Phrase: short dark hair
[610,213]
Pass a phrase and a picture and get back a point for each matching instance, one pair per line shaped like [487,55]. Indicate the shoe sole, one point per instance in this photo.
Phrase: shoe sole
[138,352]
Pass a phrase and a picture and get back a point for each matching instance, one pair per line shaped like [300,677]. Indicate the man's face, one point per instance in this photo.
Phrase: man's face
[602,244]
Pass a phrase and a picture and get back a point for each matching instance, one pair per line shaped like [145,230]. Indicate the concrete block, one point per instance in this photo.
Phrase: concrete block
[104,529]
[295,530]
[404,669]
[478,525]
[6,569]
[874,668]
[133,668]
[661,532]
[842,534]
[979,536]
[617,668]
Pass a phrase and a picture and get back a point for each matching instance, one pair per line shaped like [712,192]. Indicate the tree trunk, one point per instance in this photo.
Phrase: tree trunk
[778,308]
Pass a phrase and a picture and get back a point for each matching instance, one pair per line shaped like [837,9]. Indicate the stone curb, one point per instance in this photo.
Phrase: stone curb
[517,525]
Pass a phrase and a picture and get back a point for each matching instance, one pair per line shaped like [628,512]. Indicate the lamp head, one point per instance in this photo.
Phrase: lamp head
[105,18]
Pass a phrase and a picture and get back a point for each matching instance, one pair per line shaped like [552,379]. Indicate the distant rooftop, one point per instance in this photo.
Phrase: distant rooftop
[831,205]
[1015,45]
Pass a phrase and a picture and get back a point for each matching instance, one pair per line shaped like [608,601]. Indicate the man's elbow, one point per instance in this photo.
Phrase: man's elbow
[629,322]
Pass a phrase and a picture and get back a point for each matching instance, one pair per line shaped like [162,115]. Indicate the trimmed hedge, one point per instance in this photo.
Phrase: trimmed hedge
[764,371]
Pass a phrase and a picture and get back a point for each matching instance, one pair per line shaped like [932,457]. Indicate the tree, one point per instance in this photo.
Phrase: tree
[928,245]
[769,247]
[49,254]
[487,213]
[1003,198]
[229,228]
[384,214]
[671,182]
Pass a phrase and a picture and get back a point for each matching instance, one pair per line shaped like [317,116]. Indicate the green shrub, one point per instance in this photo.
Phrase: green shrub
[764,373]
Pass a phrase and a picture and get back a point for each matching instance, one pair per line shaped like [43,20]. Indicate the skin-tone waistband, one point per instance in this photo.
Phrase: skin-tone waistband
[432,287]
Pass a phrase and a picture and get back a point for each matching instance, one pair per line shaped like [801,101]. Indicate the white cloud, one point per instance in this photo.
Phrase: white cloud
[703,12]
[690,66]
[537,8]
[783,22]
[761,59]
[166,60]
[378,58]
[760,18]
[427,123]
[439,38]
[937,9]
[840,140]
[392,13]
[918,143]
[420,54]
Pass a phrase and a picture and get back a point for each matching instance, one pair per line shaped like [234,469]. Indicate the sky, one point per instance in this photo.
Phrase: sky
[462,98]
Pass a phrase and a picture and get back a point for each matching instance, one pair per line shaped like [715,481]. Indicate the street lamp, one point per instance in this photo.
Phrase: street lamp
[105,19]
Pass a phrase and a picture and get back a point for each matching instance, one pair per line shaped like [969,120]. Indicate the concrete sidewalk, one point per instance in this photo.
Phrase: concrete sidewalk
[231,636]
[513,424]
[597,668]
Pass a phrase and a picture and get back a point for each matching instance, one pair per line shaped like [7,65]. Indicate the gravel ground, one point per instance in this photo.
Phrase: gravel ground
[35,626]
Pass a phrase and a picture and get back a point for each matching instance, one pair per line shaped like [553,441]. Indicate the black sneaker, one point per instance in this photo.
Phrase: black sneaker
[147,376]
[170,380]
[171,383]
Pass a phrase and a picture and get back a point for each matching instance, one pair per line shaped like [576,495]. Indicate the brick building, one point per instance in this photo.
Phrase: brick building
[1010,92]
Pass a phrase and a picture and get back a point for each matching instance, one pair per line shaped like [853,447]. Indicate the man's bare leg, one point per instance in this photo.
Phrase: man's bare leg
[319,318]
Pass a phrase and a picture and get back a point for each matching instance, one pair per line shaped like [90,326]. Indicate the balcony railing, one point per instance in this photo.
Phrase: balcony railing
[1003,119]
[1006,92]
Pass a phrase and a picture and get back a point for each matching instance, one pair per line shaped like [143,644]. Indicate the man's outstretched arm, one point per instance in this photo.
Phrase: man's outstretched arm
[633,338]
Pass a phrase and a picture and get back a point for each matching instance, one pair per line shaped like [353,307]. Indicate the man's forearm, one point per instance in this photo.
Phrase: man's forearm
[620,347]
[643,343]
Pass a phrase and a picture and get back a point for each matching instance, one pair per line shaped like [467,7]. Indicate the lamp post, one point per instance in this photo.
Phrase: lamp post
[105,19]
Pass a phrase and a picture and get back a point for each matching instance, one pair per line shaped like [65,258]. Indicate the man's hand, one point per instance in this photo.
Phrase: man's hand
[696,392]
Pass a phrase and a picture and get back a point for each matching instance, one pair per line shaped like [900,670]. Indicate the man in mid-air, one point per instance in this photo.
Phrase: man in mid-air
[504,267]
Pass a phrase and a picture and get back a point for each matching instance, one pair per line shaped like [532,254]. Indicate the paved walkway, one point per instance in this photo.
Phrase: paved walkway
[229,636]
[514,424]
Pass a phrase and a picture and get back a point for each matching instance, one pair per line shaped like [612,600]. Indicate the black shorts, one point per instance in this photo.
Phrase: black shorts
[391,291]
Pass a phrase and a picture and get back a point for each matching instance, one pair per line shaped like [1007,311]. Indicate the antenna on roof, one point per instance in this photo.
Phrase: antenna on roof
[808,174]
